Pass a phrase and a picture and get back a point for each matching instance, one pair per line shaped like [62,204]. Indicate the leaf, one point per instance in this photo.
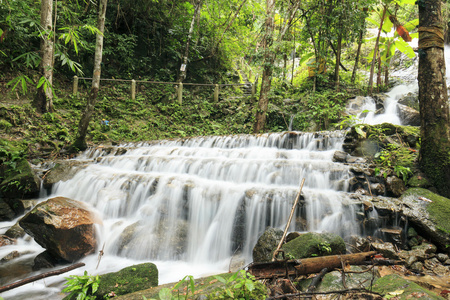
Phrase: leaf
[359,130]
[405,48]
[165,294]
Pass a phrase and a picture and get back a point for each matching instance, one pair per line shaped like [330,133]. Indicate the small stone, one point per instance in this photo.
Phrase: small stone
[428,248]
[447,262]
[340,156]
[417,267]
[411,260]
[442,257]
[441,270]
[387,249]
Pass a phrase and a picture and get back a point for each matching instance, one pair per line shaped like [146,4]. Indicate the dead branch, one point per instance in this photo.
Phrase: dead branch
[40,276]
[275,253]
[308,294]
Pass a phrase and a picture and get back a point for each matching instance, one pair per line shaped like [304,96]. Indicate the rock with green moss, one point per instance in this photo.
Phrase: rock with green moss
[332,281]
[266,245]
[314,244]
[418,180]
[429,214]
[128,280]
[395,286]
[19,180]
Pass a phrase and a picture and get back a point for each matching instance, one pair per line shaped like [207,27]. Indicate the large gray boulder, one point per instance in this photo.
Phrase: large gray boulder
[65,227]
[266,245]
[408,116]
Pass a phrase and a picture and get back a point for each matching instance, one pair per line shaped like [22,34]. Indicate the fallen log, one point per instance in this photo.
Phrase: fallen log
[306,266]
[40,276]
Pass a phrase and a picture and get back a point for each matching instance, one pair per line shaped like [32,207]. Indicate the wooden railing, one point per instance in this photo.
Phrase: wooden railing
[178,85]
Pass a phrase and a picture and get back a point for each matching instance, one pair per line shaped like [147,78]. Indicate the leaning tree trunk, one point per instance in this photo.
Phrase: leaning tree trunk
[434,109]
[375,52]
[80,140]
[43,100]
[355,68]
[269,60]
[183,68]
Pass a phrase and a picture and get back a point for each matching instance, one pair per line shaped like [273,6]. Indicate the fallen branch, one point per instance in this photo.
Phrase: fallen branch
[308,294]
[40,276]
[316,280]
[306,266]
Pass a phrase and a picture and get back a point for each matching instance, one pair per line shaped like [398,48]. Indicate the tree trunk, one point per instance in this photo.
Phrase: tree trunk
[434,155]
[338,61]
[355,68]
[184,62]
[269,60]
[80,140]
[43,100]
[375,52]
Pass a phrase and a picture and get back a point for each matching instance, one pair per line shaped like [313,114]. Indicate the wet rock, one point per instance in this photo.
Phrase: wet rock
[63,226]
[266,245]
[393,235]
[386,249]
[62,171]
[6,240]
[354,106]
[410,100]
[356,160]
[10,256]
[420,254]
[45,260]
[380,100]
[411,232]
[442,257]
[15,231]
[417,267]
[6,213]
[395,186]
[410,260]
[408,116]
[314,244]
[357,244]
[427,248]
[340,156]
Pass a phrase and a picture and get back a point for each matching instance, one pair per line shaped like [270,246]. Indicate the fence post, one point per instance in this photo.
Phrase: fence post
[133,89]
[216,93]
[180,93]
[75,85]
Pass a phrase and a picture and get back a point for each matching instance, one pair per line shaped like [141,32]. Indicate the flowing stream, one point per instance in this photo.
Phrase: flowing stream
[193,206]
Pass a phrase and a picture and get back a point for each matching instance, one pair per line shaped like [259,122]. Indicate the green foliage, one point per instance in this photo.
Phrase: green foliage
[82,287]
[241,285]
[167,293]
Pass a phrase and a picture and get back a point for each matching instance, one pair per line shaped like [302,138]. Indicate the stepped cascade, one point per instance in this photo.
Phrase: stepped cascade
[202,199]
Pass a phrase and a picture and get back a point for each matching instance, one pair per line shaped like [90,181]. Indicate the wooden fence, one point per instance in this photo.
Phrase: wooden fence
[177,85]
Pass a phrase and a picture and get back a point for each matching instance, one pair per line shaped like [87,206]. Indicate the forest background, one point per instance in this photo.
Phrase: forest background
[307,59]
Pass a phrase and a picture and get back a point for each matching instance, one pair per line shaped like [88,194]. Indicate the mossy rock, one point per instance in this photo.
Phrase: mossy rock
[395,286]
[332,281]
[430,219]
[419,181]
[128,280]
[19,181]
[266,245]
[314,244]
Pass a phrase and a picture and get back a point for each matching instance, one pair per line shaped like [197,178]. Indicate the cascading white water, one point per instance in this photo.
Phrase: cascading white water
[189,205]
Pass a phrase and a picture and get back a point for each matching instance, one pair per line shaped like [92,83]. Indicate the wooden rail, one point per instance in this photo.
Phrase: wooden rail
[178,86]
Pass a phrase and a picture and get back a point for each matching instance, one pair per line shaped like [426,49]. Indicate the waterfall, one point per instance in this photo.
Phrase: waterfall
[201,199]
[189,205]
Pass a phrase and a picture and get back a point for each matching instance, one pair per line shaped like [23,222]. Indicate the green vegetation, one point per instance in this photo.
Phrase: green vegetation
[82,287]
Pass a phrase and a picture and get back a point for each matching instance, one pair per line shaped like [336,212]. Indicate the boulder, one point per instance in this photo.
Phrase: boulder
[410,100]
[19,181]
[63,171]
[408,115]
[395,186]
[429,214]
[266,245]
[63,226]
[314,244]
[128,280]
[394,285]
